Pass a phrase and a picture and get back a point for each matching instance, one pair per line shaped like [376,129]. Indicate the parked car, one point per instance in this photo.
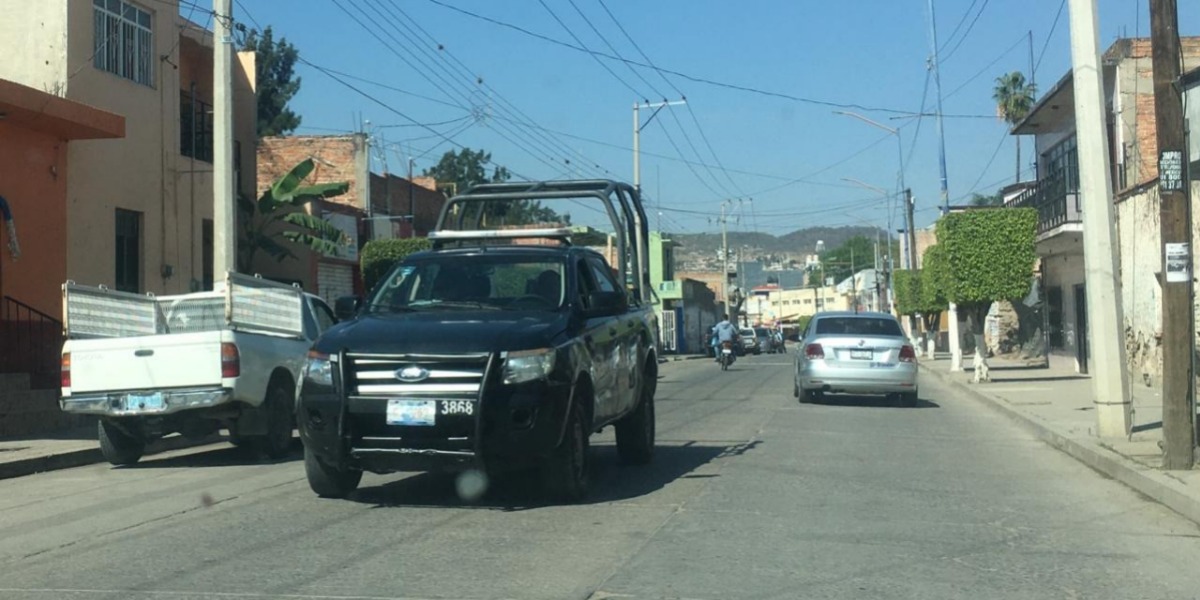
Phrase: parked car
[767,340]
[195,363]
[855,353]
[749,340]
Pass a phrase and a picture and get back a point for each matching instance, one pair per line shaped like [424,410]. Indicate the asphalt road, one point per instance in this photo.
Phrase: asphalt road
[752,495]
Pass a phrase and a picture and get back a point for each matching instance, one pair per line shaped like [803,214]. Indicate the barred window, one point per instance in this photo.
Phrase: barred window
[124,40]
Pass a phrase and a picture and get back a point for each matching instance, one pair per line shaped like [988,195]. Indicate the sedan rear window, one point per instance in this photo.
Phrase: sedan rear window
[858,326]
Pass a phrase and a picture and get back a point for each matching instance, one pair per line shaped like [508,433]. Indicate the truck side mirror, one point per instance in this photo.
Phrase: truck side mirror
[346,307]
[603,304]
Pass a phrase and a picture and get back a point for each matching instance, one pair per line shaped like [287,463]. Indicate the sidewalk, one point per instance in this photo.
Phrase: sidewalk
[1056,405]
[35,454]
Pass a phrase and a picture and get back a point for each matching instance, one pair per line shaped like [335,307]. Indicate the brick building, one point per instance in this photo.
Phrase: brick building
[374,207]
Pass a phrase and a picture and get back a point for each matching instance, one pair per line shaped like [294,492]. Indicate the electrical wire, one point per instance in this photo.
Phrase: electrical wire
[693,78]
[965,34]
[524,120]
[1049,36]
[995,153]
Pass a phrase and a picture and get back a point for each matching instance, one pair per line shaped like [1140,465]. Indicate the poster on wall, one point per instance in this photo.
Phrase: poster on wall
[1177,262]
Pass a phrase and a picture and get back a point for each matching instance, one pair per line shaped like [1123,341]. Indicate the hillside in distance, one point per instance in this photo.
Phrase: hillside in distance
[796,244]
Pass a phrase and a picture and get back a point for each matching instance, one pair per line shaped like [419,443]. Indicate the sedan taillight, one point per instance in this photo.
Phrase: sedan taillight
[814,351]
[907,354]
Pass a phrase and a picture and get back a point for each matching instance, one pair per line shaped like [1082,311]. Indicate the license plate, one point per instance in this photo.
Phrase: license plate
[411,412]
[862,354]
[146,402]
[726,351]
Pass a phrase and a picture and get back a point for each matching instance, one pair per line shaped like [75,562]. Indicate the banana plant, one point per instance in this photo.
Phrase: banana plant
[277,222]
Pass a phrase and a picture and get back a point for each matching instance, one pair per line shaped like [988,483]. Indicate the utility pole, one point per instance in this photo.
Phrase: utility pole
[412,205]
[1104,313]
[224,226]
[911,251]
[955,349]
[1175,217]
[725,262]
[637,135]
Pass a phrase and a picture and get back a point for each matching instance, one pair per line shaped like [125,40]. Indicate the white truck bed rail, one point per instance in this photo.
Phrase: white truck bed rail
[246,304]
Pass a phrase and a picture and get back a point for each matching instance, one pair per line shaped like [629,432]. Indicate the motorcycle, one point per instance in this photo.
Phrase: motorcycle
[727,356]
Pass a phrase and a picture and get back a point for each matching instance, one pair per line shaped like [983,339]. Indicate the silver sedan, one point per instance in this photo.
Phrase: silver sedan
[855,353]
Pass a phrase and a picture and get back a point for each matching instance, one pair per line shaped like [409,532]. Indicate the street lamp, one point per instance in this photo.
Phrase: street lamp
[895,132]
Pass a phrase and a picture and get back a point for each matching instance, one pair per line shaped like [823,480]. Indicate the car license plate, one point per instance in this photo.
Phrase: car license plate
[726,351]
[862,354]
[144,402]
[411,412]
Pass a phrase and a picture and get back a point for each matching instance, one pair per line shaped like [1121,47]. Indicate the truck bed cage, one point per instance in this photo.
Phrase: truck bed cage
[622,203]
[440,238]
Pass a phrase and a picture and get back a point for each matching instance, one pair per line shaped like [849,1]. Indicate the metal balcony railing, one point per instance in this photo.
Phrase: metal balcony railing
[1056,200]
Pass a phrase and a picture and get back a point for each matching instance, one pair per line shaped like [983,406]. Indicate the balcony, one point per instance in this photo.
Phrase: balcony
[1057,201]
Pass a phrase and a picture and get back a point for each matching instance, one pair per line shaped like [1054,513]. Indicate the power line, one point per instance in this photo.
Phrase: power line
[965,34]
[430,74]
[1049,37]
[961,20]
[995,153]
[983,70]
[693,78]
[524,120]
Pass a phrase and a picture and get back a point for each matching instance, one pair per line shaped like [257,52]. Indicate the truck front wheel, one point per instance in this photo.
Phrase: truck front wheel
[119,446]
[635,431]
[565,473]
[327,481]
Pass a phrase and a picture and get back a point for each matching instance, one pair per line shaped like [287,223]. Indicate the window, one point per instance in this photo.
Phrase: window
[129,251]
[324,315]
[858,326]
[195,127]
[1063,160]
[124,40]
[603,276]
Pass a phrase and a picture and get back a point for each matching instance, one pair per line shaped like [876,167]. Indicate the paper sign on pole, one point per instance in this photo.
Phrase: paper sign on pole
[1178,262]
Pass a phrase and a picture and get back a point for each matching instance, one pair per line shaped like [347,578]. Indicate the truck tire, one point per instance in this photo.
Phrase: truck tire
[565,473]
[281,421]
[327,481]
[118,447]
[635,431]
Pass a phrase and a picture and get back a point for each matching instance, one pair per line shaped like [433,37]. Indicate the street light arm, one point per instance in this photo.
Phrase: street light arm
[855,115]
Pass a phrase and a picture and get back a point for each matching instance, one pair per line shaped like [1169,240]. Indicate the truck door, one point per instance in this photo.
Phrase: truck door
[600,338]
[622,328]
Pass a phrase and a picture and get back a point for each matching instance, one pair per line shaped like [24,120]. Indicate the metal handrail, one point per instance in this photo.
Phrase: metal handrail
[1050,197]
[30,342]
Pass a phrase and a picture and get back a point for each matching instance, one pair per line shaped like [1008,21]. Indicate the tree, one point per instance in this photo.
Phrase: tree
[379,256]
[276,82]
[468,168]
[840,263]
[1014,100]
[276,222]
[989,256]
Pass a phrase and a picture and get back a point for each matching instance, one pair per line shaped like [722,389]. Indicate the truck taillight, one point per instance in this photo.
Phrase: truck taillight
[814,351]
[66,369]
[907,354]
[231,361]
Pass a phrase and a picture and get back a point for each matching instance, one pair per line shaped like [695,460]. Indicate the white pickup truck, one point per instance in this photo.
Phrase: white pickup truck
[195,363]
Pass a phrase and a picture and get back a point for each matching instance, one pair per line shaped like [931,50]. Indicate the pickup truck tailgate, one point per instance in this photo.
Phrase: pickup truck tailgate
[146,362]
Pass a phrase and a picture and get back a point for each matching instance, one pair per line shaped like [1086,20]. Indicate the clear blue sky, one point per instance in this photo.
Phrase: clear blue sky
[865,52]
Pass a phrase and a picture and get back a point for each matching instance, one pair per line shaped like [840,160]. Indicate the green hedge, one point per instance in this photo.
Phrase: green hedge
[378,257]
[989,254]
[908,291]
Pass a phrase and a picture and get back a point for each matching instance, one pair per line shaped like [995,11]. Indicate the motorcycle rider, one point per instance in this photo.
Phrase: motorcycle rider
[724,331]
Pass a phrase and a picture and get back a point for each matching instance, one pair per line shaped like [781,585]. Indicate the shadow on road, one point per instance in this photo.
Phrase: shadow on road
[874,402]
[223,457]
[523,490]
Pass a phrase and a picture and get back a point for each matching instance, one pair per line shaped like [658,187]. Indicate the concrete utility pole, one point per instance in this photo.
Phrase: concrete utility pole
[224,217]
[725,262]
[1178,415]
[412,205]
[637,135]
[955,349]
[1104,314]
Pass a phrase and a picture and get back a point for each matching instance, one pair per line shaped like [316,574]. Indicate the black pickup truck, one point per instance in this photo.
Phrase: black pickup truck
[483,356]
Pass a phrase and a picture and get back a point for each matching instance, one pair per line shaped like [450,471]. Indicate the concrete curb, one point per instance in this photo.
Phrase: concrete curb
[90,456]
[1157,485]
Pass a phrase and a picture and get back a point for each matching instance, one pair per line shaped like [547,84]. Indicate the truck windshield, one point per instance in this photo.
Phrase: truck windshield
[490,282]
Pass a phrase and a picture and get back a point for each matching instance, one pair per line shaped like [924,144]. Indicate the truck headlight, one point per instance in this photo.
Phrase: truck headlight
[318,370]
[528,365]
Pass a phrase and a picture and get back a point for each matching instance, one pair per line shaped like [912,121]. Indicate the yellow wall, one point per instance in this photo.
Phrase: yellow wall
[145,171]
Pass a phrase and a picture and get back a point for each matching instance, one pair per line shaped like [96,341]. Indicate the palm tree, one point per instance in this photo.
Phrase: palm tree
[1014,99]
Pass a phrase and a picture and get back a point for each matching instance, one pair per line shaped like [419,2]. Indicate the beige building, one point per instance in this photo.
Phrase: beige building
[139,209]
[769,305]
